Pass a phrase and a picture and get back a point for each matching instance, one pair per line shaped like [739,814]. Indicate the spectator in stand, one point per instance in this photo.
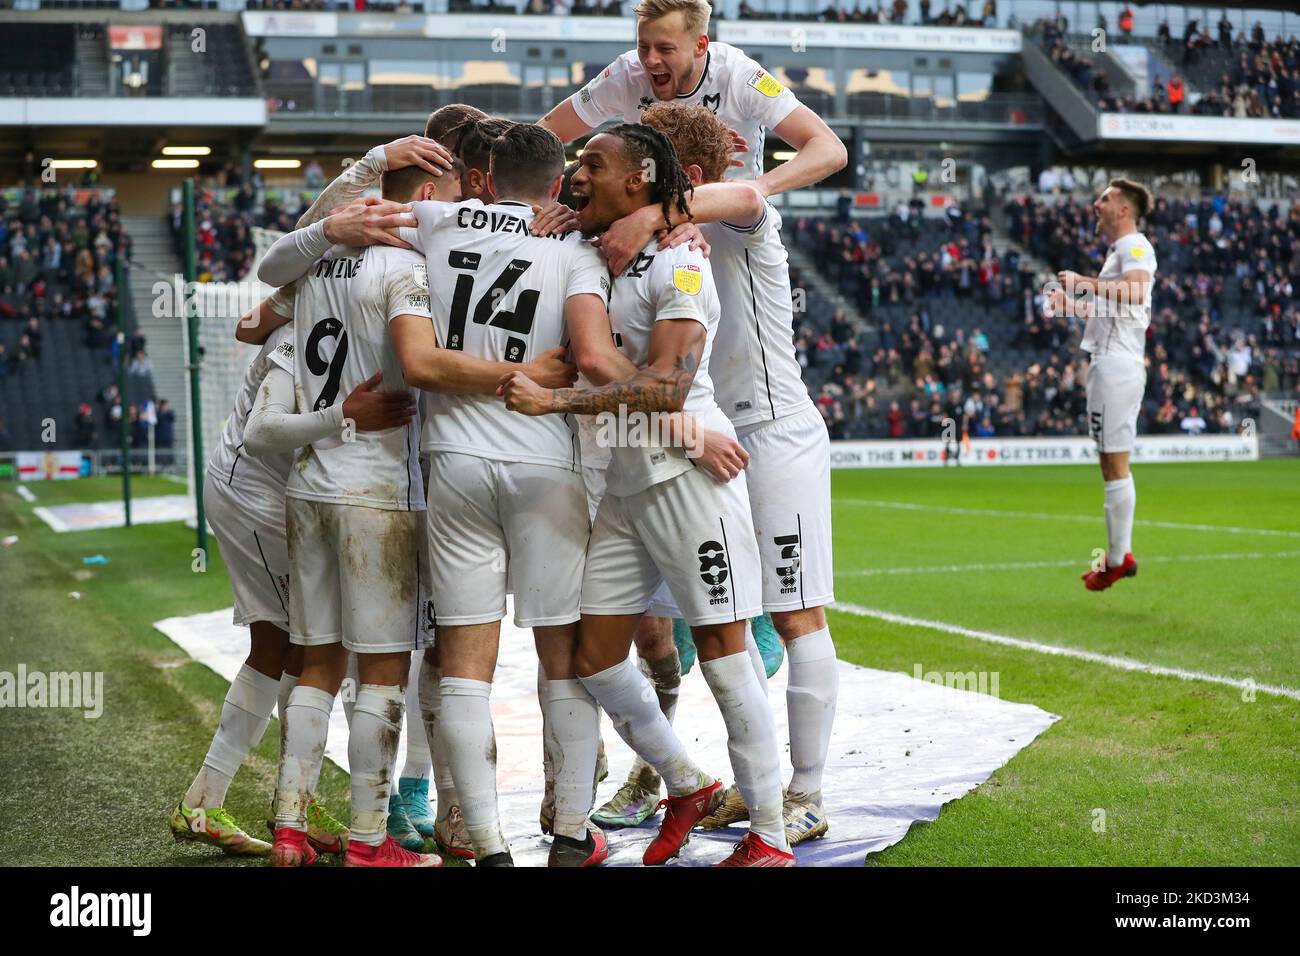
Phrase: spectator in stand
[1193,424]
[1177,93]
[85,436]
[1126,21]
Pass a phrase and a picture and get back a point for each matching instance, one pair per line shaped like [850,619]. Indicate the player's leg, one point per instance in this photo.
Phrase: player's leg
[381,626]
[638,798]
[1114,394]
[449,830]
[701,536]
[259,584]
[410,802]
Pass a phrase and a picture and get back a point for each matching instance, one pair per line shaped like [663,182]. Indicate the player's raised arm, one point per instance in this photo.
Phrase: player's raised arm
[419,151]
[428,366]
[591,341]
[565,122]
[257,324]
[368,222]
[819,153]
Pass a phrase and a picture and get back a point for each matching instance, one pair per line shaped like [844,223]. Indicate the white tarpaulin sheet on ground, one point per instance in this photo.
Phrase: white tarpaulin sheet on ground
[901,748]
[96,515]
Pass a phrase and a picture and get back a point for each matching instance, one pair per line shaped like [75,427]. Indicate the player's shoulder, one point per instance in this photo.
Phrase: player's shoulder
[1136,245]
[740,70]
[394,257]
[278,348]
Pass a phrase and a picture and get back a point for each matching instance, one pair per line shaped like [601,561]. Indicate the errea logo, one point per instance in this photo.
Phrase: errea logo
[76,909]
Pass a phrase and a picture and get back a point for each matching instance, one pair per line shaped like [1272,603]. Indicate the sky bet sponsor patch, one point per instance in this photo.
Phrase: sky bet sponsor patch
[766,83]
[688,278]
[420,273]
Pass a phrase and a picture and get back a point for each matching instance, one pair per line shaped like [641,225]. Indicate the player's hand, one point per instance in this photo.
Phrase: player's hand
[552,369]
[372,411]
[739,145]
[555,220]
[1070,281]
[688,233]
[1055,304]
[625,238]
[368,222]
[719,454]
[429,154]
[523,395]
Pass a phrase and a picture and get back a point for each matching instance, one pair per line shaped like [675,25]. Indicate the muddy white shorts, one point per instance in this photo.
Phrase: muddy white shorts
[489,520]
[1115,388]
[354,576]
[690,532]
[789,476]
[250,534]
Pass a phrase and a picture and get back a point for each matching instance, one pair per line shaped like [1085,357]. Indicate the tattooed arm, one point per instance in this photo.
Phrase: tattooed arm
[676,346]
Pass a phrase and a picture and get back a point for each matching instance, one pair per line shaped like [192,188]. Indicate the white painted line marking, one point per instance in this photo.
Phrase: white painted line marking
[1063,563]
[25,494]
[1049,516]
[1121,663]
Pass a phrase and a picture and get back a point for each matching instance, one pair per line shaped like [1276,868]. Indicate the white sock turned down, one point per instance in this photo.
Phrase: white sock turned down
[418,758]
[244,716]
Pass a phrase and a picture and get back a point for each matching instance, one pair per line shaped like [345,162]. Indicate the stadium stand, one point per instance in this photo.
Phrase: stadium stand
[59,320]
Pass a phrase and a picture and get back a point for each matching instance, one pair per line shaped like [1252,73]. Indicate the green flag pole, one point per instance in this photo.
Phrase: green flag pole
[122,391]
[192,322]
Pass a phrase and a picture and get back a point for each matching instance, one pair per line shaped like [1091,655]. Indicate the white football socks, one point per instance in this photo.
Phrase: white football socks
[548,767]
[472,752]
[372,753]
[572,729]
[307,725]
[755,657]
[287,683]
[810,698]
[431,712]
[751,742]
[244,716]
[630,701]
[351,686]
[665,674]
[418,758]
[1121,502]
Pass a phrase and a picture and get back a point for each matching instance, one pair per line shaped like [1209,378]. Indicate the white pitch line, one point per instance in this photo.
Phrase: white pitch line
[1121,663]
[1064,563]
[25,494]
[1049,516]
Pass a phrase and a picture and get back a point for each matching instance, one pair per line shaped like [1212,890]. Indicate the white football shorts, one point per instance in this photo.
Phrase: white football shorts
[1115,388]
[250,534]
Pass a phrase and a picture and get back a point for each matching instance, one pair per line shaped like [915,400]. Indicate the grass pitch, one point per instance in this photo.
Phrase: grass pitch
[1142,769]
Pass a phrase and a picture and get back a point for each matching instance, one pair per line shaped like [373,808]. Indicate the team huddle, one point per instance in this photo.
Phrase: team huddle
[470,389]
[576,387]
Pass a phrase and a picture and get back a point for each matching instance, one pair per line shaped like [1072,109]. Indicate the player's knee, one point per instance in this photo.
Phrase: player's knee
[797,623]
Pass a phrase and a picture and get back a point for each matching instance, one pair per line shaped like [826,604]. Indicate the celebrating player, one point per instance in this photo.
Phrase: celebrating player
[759,387]
[1117,306]
[662,518]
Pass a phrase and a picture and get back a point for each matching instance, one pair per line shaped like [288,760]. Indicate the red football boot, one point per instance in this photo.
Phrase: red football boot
[593,851]
[680,816]
[752,851]
[290,848]
[1101,580]
[388,853]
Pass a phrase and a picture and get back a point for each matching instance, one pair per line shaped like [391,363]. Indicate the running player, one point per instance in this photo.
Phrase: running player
[1117,307]
[759,387]
[662,518]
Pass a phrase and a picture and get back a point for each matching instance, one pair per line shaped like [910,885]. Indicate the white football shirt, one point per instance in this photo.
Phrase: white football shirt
[733,87]
[341,339]
[755,372]
[1120,328]
[253,477]
[500,296]
[656,286]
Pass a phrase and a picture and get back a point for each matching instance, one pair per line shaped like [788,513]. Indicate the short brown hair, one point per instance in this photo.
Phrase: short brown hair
[475,147]
[696,13]
[400,185]
[700,138]
[525,160]
[1137,195]
[447,123]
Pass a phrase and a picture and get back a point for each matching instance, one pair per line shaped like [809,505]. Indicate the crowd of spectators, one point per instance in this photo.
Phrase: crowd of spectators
[1261,79]
[1225,322]
[58,252]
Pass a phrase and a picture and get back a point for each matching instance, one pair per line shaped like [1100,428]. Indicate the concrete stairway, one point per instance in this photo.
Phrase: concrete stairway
[153,261]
